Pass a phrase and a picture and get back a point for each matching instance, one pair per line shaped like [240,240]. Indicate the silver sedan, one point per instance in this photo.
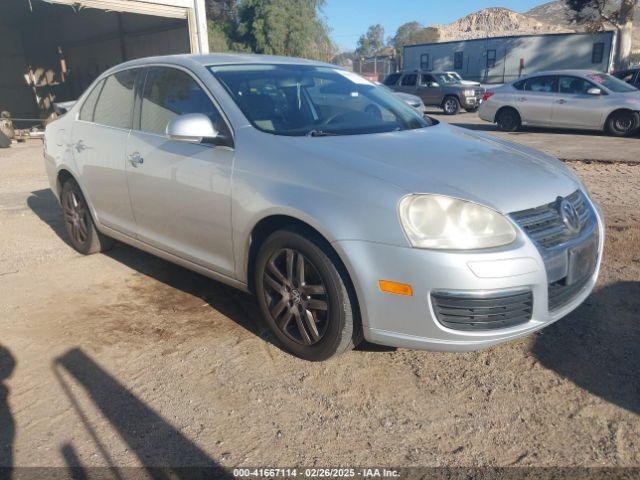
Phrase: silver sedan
[349,215]
[575,99]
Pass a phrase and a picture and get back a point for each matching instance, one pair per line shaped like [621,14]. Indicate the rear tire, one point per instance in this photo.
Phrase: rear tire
[309,312]
[78,222]
[451,105]
[508,120]
[622,123]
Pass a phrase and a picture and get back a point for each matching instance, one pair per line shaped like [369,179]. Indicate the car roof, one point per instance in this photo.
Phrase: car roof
[189,59]
[561,72]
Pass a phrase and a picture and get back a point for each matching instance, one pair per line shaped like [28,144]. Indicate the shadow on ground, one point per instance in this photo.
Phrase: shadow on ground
[161,448]
[597,347]
[232,303]
[7,424]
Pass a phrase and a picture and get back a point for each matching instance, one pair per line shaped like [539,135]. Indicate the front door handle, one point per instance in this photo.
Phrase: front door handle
[561,101]
[136,159]
[522,99]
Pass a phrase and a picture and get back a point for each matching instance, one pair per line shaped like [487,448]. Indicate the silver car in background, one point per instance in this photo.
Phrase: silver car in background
[348,214]
[413,101]
[573,99]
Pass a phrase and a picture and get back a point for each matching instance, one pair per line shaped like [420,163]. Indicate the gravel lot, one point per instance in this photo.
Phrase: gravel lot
[124,359]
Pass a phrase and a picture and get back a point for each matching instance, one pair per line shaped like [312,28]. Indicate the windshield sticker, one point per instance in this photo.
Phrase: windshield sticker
[354,77]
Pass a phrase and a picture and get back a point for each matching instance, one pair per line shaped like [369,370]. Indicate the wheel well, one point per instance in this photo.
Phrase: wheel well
[502,109]
[269,225]
[625,110]
[63,176]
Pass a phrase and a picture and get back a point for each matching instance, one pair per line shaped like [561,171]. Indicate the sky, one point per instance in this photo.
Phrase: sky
[348,19]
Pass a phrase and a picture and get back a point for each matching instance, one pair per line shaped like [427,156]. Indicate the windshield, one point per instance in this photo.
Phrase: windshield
[455,76]
[611,83]
[314,100]
[445,78]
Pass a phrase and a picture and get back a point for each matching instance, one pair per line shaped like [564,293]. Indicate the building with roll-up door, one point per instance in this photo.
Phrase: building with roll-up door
[503,59]
[51,50]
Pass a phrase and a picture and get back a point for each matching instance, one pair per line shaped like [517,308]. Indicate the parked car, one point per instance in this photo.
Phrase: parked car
[631,76]
[413,101]
[577,99]
[437,89]
[345,224]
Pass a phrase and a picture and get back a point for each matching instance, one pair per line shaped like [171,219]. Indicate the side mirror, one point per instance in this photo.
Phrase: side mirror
[594,91]
[433,84]
[192,128]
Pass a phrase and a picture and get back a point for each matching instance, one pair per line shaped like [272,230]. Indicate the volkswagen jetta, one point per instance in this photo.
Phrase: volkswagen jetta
[349,220]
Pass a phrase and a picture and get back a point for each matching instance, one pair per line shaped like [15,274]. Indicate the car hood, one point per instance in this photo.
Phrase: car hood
[407,97]
[448,160]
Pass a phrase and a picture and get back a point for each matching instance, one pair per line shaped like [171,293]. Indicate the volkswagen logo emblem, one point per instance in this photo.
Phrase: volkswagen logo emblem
[568,214]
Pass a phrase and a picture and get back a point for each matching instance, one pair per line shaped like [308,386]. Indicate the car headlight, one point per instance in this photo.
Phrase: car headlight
[469,93]
[440,222]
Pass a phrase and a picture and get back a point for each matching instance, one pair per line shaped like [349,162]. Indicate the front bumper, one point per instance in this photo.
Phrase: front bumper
[410,322]
[470,102]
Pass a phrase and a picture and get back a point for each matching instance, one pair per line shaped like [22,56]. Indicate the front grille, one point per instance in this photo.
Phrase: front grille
[482,312]
[479,93]
[544,224]
[561,294]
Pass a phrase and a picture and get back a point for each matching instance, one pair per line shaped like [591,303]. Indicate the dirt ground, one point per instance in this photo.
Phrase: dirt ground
[123,359]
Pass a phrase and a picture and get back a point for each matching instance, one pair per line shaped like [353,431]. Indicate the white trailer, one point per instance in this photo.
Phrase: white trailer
[502,59]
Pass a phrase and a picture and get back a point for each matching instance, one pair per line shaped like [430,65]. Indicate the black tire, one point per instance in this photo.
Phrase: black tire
[623,123]
[472,110]
[82,232]
[312,316]
[451,105]
[508,119]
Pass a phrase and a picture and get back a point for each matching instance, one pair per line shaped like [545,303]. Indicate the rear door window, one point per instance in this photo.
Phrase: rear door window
[409,80]
[574,85]
[547,84]
[169,93]
[115,105]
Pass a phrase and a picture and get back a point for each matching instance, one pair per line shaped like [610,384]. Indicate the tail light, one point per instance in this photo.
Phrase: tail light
[487,95]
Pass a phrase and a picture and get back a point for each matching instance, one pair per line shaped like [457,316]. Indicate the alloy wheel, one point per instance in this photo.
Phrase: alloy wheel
[77,217]
[296,296]
[450,105]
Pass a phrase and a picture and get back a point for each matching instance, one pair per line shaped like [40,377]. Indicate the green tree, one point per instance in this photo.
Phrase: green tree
[284,27]
[413,33]
[371,42]
[598,14]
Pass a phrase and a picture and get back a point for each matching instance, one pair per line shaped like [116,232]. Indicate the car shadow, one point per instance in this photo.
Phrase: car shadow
[597,346]
[7,423]
[491,127]
[234,304]
[161,449]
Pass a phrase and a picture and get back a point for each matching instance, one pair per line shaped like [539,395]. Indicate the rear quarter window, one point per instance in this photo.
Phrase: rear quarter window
[392,79]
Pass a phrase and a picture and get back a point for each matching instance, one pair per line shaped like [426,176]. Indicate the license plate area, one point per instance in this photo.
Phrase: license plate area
[582,261]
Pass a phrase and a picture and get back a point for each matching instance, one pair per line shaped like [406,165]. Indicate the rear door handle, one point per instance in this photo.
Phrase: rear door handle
[136,159]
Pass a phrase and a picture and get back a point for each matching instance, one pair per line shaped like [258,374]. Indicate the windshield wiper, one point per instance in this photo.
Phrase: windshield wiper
[319,133]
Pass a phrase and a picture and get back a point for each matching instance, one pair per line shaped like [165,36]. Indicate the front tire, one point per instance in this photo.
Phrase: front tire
[83,234]
[451,105]
[303,297]
[508,119]
[622,123]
